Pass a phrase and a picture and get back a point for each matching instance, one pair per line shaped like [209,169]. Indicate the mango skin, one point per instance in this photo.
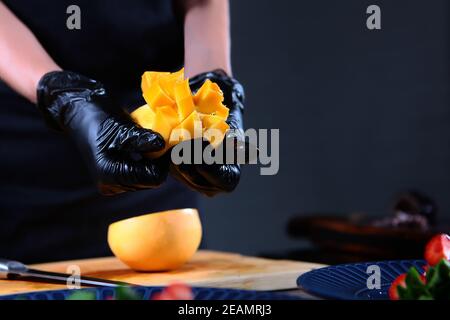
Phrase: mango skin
[159,241]
[178,115]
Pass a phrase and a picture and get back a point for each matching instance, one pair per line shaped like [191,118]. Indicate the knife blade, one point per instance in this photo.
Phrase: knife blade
[14,270]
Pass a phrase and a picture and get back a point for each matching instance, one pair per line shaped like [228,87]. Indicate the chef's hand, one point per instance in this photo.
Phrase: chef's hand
[107,137]
[216,178]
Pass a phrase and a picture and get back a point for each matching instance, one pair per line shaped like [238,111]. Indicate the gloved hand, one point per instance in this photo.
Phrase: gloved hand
[216,178]
[109,140]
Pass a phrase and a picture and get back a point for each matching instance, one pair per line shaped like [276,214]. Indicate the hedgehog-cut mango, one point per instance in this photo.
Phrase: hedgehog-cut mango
[178,115]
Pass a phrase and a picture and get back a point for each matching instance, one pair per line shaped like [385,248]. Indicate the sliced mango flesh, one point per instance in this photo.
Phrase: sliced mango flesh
[144,116]
[168,82]
[222,112]
[150,77]
[183,98]
[170,115]
[162,125]
[216,133]
[156,97]
[178,115]
[190,128]
[208,97]
[209,120]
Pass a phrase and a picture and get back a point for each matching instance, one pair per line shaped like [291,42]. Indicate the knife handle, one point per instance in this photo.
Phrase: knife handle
[11,267]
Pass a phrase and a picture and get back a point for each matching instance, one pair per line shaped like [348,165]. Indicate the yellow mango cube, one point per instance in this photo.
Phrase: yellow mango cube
[184,99]
[190,128]
[222,112]
[216,132]
[161,125]
[144,116]
[151,77]
[209,119]
[168,82]
[156,97]
[170,115]
[208,97]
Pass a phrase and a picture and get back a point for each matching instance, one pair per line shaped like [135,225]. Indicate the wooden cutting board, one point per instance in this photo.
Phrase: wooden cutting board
[206,269]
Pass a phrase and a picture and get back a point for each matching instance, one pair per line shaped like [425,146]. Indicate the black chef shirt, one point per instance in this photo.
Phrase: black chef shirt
[49,206]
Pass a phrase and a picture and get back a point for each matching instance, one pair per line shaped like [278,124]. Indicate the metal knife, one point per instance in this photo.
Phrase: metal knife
[14,270]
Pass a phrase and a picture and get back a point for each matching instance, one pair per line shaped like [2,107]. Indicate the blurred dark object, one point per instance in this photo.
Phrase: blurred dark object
[337,238]
[412,210]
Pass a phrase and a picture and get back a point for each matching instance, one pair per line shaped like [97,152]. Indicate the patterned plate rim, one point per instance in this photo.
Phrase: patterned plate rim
[326,295]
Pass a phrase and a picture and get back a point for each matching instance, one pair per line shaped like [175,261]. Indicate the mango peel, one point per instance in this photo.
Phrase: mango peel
[176,114]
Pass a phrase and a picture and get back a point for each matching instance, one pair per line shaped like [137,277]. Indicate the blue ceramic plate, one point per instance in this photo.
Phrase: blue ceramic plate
[349,281]
[145,293]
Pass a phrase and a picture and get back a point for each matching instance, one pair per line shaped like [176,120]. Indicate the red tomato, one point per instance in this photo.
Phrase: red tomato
[438,248]
[423,277]
[175,291]
[399,281]
[161,296]
[180,291]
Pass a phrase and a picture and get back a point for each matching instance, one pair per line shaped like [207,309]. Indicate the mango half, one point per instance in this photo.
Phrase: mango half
[178,115]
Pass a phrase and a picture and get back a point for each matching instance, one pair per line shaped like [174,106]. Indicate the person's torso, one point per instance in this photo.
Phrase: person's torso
[49,205]
[116,41]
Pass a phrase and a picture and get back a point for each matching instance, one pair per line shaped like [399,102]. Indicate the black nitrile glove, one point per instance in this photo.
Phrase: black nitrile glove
[109,140]
[216,178]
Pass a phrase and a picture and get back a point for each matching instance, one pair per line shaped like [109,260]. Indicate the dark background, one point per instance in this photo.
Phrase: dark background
[362,114]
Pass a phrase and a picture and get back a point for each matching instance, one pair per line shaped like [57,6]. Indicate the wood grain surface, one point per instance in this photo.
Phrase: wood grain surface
[207,268]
